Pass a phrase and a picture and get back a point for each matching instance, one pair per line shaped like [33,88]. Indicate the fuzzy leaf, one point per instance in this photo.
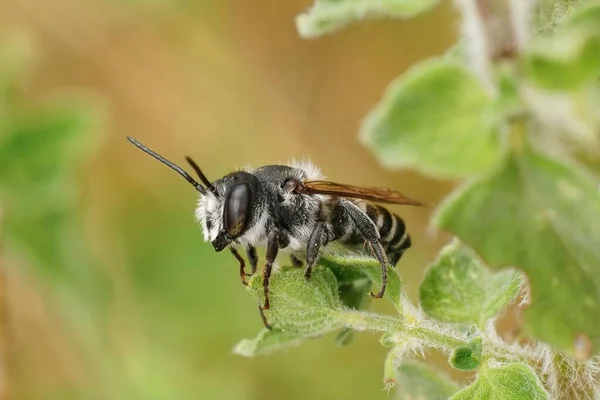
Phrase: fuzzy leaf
[509,382]
[305,306]
[437,119]
[352,268]
[328,16]
[457,288]
[538,215]
[571,57]
[417,381]
[269,341]
[467,358]
[354,295]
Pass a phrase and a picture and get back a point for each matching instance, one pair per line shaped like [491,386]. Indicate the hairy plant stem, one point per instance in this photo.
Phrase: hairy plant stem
[367,321]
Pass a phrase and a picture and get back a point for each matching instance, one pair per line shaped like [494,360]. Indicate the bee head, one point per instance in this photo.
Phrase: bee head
[225,208]
[227,212]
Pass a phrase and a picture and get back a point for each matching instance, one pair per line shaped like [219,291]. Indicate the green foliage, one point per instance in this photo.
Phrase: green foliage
[458,288]
[513,381]
[438,119]
[499,117]
[417,381]
[467,358]
[571,57]
[327,16]
[312,307]
[554,206]
[354,268]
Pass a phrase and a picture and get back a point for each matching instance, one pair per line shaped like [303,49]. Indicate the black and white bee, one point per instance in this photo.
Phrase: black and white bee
[291,208]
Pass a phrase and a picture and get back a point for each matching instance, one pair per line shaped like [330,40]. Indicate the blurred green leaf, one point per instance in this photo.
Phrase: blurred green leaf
[43,145]
[39,152]
[539,215]
[327,16]
[417,381]
[437,119]
[509,382]
[307,306]
[565,63]
[269,341]
[570,58]
[457,288]
[352,268]
[467,358]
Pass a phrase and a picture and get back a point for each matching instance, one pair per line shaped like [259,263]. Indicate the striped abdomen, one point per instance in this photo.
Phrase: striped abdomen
[392,229]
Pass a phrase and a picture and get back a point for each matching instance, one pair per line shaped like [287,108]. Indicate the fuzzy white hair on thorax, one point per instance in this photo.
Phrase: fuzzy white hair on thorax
[313,173]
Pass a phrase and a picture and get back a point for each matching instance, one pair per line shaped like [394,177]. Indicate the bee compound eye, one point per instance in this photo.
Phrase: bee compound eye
[238,207]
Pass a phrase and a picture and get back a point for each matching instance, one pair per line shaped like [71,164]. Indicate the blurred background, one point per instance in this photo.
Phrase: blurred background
[116,296]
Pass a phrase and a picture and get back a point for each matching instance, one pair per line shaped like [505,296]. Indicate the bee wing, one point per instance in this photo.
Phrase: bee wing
[381,195]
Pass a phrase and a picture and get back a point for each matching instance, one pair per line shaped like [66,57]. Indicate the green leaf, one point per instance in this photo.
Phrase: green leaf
[306,306]
[467,358]
[269,341]
[328,16]
[510,382]
[354,295]
[539,215]
[417,381]
[571,57]
[564,63]
[437,119]
[353,268]
[457,288]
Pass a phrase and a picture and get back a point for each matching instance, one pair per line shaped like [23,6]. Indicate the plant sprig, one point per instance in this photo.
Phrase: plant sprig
[511,108]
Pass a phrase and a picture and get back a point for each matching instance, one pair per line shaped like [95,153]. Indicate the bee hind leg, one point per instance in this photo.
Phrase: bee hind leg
[368,230]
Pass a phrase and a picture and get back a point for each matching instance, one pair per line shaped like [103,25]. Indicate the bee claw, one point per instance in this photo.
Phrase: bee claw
[263,316]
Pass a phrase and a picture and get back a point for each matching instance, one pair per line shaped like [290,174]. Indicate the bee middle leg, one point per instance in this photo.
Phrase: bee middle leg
[369,231]
[296,262]
[273,242]
[318,238]
[251,253]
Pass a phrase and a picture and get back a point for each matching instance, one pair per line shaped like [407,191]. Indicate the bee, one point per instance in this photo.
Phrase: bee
[293,209]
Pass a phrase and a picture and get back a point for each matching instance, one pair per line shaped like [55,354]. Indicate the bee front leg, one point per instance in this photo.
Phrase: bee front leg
[242,264]
[318,238]
[369,231]
[272,249]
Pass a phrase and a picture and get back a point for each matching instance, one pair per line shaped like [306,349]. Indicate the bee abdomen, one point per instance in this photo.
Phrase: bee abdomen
[392,230]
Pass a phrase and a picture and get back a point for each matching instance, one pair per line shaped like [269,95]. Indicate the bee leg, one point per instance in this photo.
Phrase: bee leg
[296,262]
[272,249]
[369,231]
[242,264]
[251,253]
[318,238]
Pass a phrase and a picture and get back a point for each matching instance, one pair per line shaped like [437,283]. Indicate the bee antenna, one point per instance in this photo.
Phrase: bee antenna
[169,164]
[201,175]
